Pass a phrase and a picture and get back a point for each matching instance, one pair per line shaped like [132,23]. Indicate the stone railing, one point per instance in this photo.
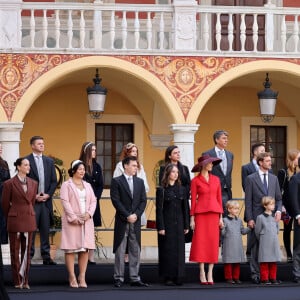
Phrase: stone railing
[180,28]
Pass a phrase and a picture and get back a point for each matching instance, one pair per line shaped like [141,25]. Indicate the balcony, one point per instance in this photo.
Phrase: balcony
[175,29]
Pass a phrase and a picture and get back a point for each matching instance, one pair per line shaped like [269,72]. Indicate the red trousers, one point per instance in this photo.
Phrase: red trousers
[268,271]
[232,271]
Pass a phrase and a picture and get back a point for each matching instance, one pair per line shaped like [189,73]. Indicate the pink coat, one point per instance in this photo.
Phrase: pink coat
[75,236]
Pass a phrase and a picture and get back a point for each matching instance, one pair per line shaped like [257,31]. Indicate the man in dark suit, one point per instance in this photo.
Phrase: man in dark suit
[43,171]
[128,196]
[294,198]
[224,169]
[252,166]
[258,185]
[248,169]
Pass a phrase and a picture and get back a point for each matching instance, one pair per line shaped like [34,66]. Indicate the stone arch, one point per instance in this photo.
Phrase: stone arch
[53,76]
[233,73]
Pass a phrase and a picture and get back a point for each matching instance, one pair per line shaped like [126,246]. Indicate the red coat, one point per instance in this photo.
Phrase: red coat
[206,196]
[18,206]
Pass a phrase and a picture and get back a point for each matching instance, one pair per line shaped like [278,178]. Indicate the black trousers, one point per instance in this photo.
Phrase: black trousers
[3,292]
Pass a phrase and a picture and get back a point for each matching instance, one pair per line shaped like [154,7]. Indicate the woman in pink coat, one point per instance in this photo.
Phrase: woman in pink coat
[79,204]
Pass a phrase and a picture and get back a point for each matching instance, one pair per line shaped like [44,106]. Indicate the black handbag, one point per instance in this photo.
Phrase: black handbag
[189,236]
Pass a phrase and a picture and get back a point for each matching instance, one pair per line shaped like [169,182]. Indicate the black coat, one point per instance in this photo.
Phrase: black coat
[96,181]
[126,205]
[284,179]
[4,175]
[172,215]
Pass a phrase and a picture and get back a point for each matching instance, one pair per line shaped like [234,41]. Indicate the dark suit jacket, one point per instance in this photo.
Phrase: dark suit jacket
[217,171]
[126,205]
[18,205]
[50,179]
[294,195]
[254,193]
[246,171]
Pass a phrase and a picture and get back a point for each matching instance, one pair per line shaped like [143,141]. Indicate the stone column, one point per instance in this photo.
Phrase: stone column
[10,24]
[183,137]
[185,24]
[10,140]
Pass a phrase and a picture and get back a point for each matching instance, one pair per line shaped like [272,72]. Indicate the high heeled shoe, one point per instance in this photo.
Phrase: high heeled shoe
[82,284]
[210,283]
[203,280]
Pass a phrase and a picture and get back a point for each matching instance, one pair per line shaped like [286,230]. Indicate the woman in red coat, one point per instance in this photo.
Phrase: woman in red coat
[206,216]
[18,199]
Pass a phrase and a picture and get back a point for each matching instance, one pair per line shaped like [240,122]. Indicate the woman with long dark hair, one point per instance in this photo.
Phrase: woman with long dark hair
[94,176]
[172,219]
[172,156]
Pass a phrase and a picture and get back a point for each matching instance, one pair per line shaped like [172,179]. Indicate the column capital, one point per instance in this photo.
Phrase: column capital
[184,127]
[10,141]
[10,131]
[184,138]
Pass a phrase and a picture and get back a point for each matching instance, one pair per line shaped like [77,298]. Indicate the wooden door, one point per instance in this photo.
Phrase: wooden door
[224,19]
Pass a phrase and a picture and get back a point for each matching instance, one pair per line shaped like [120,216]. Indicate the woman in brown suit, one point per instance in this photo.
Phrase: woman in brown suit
[18,198]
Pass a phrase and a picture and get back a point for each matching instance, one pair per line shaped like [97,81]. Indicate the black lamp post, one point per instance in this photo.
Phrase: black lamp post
[267,101]
[96,97]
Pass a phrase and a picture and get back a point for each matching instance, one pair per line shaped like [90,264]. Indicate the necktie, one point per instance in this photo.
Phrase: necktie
[265,183]
[223,162]
[130,183]
[40,168]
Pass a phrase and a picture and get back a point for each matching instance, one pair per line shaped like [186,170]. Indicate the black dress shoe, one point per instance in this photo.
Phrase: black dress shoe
[297,280]
[91,262]
[255,280]
[118,283]
[275,281]
[139,283]
[49,262]
[265,282]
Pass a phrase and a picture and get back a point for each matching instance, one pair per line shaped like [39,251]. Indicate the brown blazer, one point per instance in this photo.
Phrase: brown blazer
[18,205]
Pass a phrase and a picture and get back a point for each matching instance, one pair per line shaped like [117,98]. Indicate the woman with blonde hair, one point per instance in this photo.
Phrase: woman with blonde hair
[284,176]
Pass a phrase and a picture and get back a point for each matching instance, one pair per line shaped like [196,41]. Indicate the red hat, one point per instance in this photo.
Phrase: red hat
[204,160]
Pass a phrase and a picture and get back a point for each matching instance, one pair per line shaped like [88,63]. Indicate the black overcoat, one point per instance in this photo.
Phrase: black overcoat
[172,215]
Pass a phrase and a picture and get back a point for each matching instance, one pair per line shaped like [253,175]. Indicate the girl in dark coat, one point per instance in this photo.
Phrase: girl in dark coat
[172,217]
[93,175]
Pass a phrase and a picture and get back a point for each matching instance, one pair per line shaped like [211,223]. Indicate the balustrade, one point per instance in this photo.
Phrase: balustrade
[103,28]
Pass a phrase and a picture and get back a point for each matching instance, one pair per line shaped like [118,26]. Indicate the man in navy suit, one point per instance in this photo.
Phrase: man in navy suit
[43,171]
[128,196]
[224,169]
[248,169]
[258,185]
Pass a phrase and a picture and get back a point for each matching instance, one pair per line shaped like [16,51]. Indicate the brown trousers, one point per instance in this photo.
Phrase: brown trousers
[17,243]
